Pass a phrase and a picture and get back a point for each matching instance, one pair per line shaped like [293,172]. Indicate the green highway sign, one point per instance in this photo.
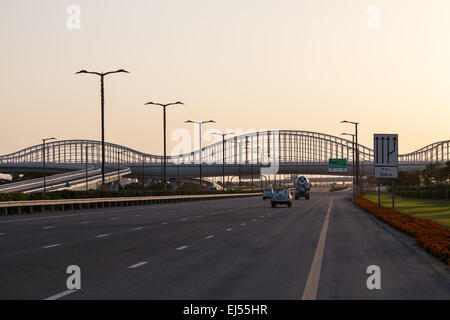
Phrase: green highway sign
[337,165]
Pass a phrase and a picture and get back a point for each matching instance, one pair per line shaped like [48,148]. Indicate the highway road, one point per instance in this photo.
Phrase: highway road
[237,248]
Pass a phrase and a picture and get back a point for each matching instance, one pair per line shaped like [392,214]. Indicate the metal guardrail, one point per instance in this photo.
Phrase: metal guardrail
[87,203]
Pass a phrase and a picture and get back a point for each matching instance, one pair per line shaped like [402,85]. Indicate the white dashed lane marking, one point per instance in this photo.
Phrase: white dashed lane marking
[138,228]
[48,227]
[102,235]
[51,246]
[181,248]
[60,295]
[243,224]
[112,219]
[2,233]
[229,229]
[210,236]
[137,265]
[163,223]
[85,222]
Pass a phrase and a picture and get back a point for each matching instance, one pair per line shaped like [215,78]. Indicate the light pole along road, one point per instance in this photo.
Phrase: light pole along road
[200,123]
[87,162]
[164,132]
[223,155]
[357,154]
[353,160]
[118,167]
[43,159]
[102,75]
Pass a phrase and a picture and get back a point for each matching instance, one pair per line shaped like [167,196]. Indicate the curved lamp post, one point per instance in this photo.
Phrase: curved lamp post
[102,75]
[43,159]
[200,123]
[356,150]
[223,155]
[353,160]
[164,132]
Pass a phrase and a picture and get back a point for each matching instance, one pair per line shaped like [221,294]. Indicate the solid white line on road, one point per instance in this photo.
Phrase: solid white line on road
[137,265]
[210,236]
[48,227]
[60,295]
[229,229]
[85,222]
[138,228]
[181,248]
[103,235]
[51,246]
[312,283]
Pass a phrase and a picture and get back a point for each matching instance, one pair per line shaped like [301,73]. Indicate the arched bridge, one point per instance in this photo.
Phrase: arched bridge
[266,152]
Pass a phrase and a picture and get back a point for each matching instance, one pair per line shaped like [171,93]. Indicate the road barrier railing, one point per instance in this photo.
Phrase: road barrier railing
[70,204]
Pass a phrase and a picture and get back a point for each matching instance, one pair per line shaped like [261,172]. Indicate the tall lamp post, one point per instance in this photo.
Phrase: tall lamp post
[200,123]
[223,155]
[164,134]
[357,152]
[353,160]
[87,161]
[118,168]
[102,75]
[43,159]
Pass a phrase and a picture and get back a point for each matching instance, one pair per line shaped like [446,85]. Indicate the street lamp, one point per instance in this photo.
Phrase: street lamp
[353,160]
[223,155]
[87,158]
[200,123]
[118,167]
[43,157]
[164,129]
[357,151]
[102,75]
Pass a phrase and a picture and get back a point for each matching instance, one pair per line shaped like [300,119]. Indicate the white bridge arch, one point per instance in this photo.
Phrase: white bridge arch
[286,151]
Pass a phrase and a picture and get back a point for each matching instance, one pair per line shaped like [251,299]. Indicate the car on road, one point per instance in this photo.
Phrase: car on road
[282,196]
[267,193]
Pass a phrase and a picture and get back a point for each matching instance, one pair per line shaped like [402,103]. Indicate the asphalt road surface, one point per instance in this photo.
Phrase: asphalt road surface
[217,249]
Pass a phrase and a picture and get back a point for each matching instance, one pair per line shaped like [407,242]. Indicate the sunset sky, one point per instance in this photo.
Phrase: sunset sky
[247,64]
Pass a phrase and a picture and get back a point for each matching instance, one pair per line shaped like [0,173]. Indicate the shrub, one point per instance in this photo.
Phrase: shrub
[428,234]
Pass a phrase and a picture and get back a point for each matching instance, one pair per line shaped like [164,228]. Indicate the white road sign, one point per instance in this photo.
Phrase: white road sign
[386,172]
[385,148]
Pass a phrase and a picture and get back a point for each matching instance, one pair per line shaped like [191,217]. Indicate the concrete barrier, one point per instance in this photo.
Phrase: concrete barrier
[65,204]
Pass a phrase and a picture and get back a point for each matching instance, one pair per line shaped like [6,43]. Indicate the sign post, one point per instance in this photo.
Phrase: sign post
[385,164]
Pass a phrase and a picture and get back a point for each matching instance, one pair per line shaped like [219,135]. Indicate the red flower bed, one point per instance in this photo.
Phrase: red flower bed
[428,234]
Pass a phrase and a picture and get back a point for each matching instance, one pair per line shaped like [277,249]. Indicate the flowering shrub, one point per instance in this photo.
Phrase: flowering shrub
[428,234]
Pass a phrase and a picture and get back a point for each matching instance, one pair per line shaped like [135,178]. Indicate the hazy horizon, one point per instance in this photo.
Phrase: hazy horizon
[301,65]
